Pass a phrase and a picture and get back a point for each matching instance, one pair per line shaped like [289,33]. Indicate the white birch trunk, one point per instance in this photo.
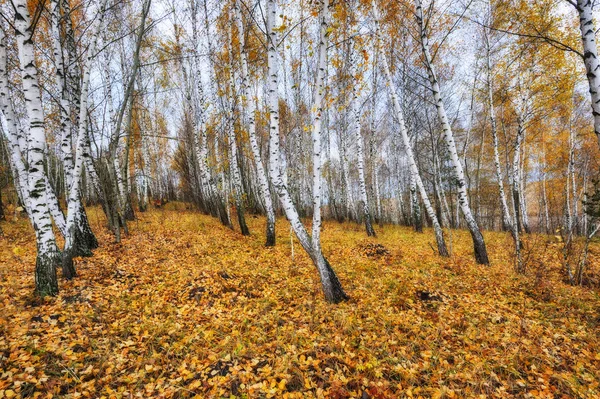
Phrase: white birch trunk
[506,217]
[65,118]
[234,169]
[349,207]
[12,131]
[248,103]
[506,222]
[317,121]
[47,251]
[590,57]
[439,234]
[331,286]
[73,212]
[463,199]
[360,163]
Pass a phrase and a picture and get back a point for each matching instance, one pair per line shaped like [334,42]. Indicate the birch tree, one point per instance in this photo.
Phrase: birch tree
[414,171]
[463,199]
[585,9]
[358,139]
[48,256]
[85,240]
[74,198]
[332,287]
[248,103]
[234,169]
[507,222]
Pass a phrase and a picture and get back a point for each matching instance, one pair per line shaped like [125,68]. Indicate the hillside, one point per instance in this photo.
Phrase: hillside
[187,308]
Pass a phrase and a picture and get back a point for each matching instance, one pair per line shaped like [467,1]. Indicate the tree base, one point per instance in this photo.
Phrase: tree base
[270,242]
[46,282]
[332,288]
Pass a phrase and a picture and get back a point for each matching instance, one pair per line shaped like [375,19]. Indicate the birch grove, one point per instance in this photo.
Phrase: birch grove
[297,114]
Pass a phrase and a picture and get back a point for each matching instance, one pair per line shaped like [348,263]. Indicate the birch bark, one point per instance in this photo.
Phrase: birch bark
[332,287]
[506,217]
[439,234]
[234,169]
[249,104]
[48,256]
[68,267]
[590,57]
[480,250]
[364,200]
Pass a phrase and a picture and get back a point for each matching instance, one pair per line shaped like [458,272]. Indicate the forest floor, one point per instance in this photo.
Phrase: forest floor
[184,307]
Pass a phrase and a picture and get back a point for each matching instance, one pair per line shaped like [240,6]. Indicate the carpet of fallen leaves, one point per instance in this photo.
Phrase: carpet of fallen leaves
[184,307]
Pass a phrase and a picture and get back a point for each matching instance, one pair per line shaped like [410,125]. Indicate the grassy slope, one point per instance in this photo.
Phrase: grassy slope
[186,307]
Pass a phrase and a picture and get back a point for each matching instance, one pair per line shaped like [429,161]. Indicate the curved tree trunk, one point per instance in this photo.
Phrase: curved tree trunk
[590,57]
[439,234]
[481,255]
[332,287]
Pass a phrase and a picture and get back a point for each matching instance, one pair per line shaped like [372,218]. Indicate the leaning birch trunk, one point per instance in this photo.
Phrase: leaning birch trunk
[332,287]
[12,131]
[234,169]
[478,242]
[73,217]
[439,234]
[85,238]
[360,162]
[48,256]
[248,103]
[590,57]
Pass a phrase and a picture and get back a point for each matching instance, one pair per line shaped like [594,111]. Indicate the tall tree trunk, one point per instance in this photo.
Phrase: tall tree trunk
[234,169]
[332,287]
[506,217]
[85,238]
[211,193]
[439,234]
[74,201]
[481,255]
[360,162]
[48,256]
[265,193]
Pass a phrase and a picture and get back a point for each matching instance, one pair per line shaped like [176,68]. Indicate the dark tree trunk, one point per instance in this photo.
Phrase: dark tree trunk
[2,216]
[369,224]
[239,208]
[46,282]
[270,242]
[332,288]
[85,240]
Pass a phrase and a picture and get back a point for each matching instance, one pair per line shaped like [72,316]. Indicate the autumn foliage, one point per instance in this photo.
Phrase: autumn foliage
[185,307]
